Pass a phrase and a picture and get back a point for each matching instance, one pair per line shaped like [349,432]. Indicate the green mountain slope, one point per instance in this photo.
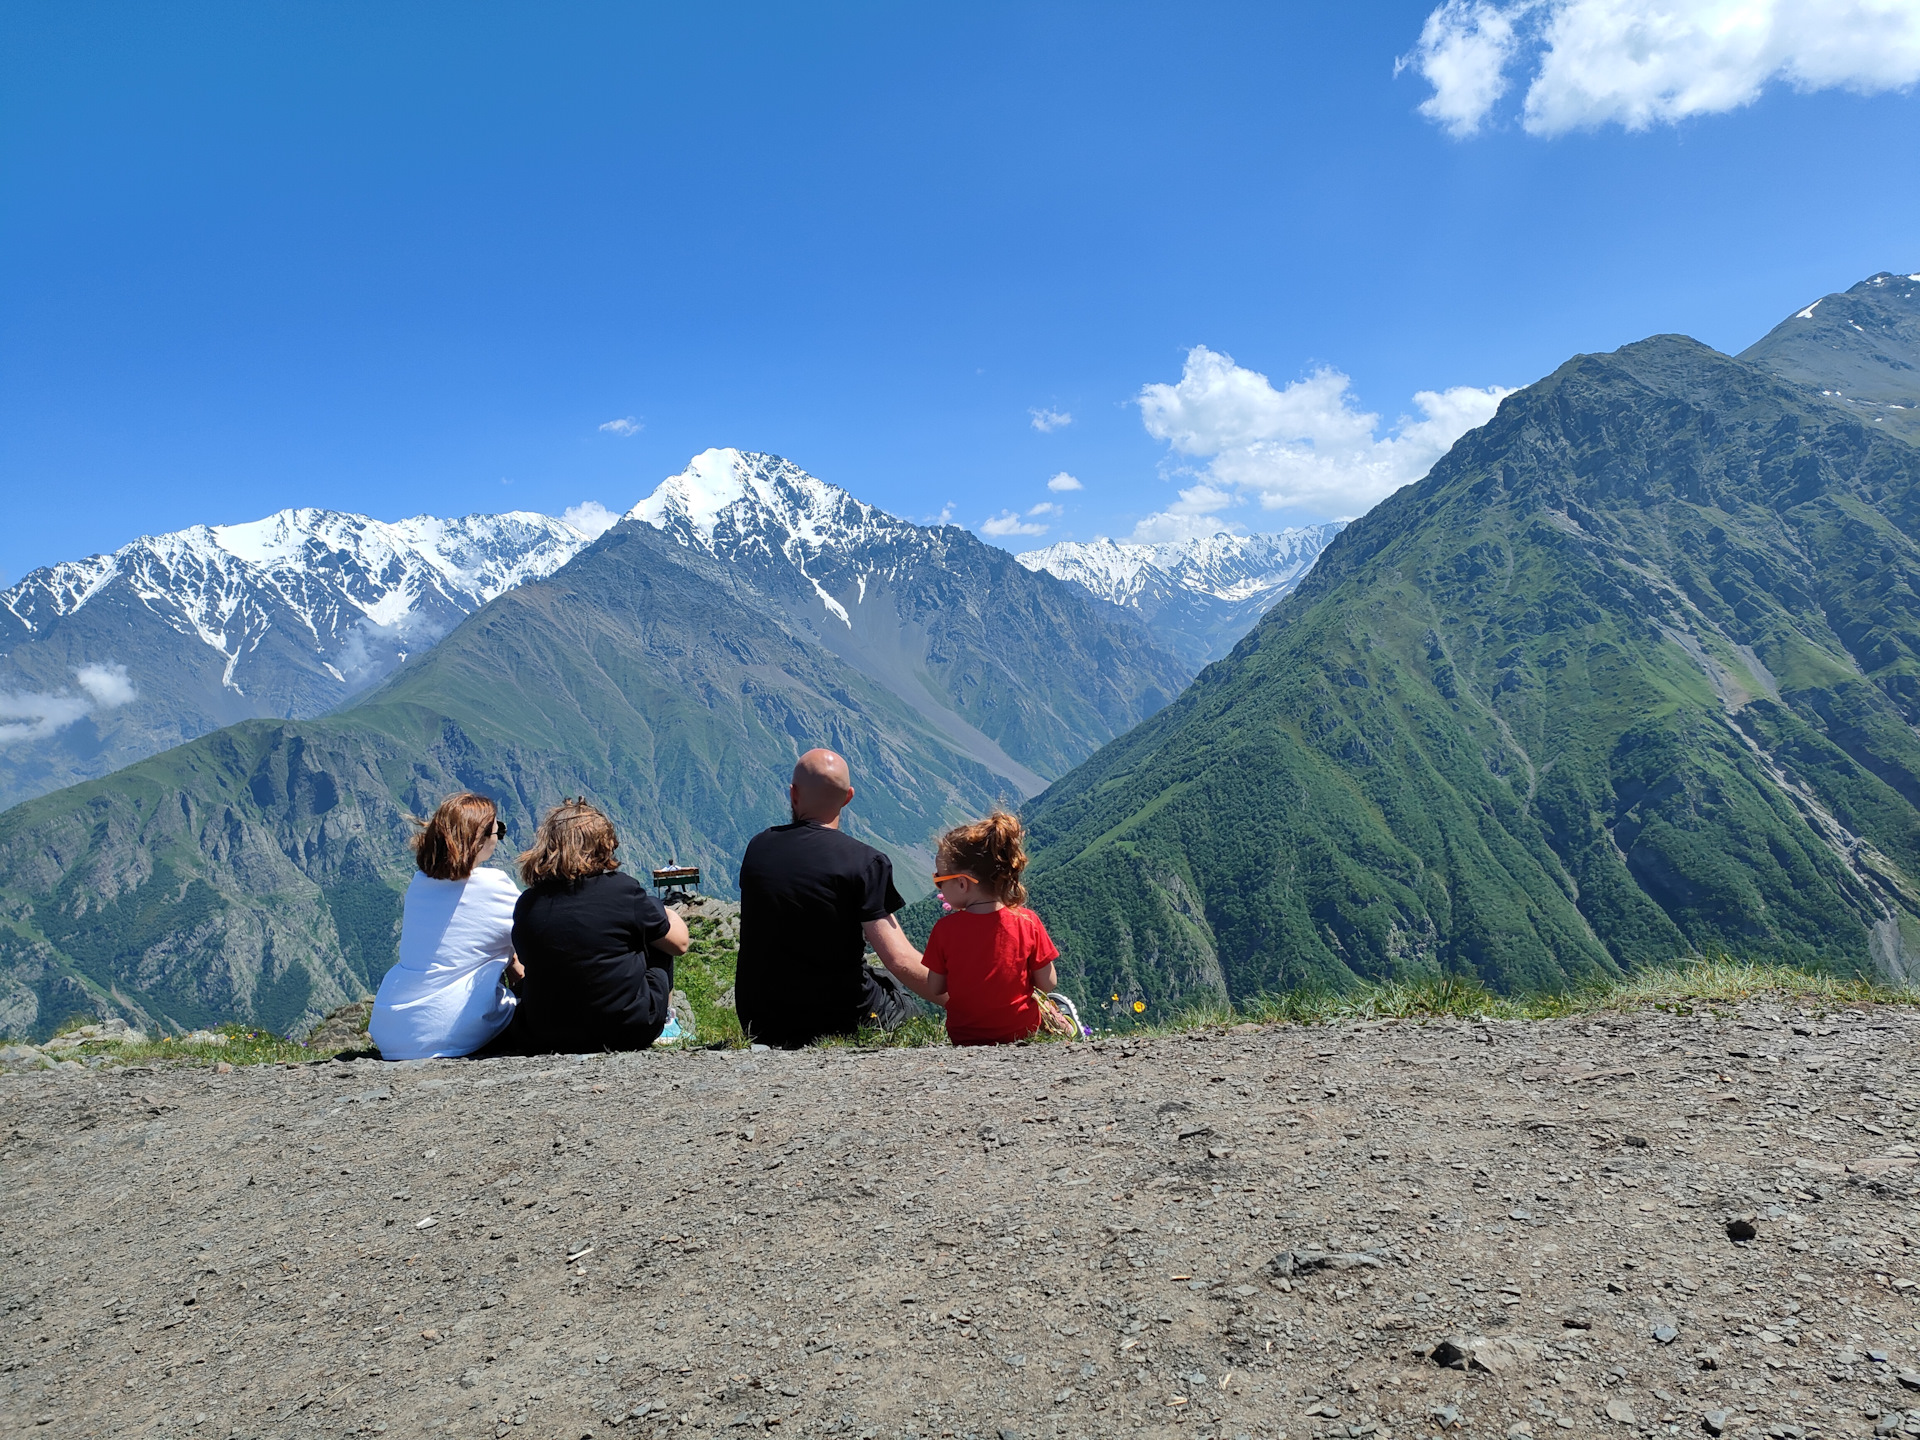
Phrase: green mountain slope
[1861,348]
[1631,674]
[254,874]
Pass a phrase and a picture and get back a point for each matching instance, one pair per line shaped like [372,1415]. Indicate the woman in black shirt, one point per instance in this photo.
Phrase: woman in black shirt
[598,949]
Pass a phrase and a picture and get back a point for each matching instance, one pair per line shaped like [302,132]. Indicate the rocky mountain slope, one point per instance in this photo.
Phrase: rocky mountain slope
[254,874]
[1196,597]
[952,626]
[1633,673]
[107,660]
[1259,1232]
[1860,349]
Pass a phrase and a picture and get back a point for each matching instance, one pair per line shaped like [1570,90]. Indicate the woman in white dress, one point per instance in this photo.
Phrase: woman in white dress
[448,994]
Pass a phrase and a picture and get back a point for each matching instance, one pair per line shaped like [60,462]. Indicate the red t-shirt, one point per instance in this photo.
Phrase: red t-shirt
[989,962]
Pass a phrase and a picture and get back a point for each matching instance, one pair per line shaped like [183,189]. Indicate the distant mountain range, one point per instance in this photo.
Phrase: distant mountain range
[672,670]
[1196,597]
[107,660]
[1632,674]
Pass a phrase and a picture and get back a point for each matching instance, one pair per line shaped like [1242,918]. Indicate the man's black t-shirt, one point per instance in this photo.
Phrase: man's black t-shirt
[592,981]
[805,890]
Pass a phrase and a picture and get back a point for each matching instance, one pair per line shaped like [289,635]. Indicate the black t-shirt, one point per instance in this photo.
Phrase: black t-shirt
[805,890]
[592,982]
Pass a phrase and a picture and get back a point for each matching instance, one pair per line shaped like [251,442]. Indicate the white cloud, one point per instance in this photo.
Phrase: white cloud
[1463,52]
[35,717]
[1641,63]
[1008,523]
[1047,421]
[625,425]
[107,685]
[1062,482]
[1305,446]
[1046,507]
[1167,528]
[590,518]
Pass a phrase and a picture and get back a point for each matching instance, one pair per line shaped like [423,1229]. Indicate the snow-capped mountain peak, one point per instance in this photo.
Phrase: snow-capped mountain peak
[1198,595]
[322,568]
[1112,569]
[353,595]
[742,505]
[725,495]
[1224,565]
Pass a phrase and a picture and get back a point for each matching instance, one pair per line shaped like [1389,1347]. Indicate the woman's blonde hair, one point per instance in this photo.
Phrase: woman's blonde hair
[993,851]
[575,839]
[448,846]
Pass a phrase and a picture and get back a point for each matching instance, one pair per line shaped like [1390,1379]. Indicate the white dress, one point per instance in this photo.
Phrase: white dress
[444,997]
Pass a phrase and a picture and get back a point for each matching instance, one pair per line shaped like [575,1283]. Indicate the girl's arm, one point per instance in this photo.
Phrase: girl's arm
[1045,978]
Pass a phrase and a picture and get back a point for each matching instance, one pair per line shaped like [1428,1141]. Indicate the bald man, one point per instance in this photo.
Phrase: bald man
[811,901]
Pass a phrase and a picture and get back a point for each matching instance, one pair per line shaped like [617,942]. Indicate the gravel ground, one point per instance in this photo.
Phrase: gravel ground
[1254,1232]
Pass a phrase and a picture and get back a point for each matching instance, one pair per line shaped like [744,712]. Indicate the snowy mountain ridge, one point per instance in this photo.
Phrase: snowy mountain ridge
[742,506]
[1198,596]
[1226,566]
[174,635]
[323,570]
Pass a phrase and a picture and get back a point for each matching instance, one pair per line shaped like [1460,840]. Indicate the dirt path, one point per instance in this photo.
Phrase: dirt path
[1045,1241]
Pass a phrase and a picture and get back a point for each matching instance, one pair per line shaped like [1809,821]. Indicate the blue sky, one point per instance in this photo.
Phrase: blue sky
[413,258]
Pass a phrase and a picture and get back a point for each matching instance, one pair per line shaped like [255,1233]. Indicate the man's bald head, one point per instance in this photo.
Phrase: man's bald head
[822,787]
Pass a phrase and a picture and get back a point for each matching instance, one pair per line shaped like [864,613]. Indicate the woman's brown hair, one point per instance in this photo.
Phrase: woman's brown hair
[448,846]
[575,839]
[992,851]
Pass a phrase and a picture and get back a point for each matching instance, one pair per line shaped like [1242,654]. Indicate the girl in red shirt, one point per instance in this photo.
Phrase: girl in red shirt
[990,949]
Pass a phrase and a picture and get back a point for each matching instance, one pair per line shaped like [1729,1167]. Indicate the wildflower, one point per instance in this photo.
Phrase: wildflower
[1139,1006]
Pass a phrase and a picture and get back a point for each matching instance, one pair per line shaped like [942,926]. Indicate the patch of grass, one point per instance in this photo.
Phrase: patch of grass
[243,1047]
[706,973]
[1728,982]
[1674,988]
[917,1032]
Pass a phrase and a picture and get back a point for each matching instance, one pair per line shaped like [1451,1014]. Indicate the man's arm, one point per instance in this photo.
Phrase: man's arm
[896,952]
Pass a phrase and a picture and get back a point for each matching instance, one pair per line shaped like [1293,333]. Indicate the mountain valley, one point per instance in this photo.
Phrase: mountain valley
[1632,675]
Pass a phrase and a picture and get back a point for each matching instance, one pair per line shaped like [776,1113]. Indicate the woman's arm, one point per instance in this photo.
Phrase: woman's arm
[676,941]
[1045,978]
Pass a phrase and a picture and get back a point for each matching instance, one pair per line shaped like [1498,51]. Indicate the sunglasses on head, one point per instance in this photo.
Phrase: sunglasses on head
[498,830]
[957,875]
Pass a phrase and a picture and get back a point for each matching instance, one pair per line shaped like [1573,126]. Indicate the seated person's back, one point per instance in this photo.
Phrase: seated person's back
[811,900]
[446,995]
[598,949]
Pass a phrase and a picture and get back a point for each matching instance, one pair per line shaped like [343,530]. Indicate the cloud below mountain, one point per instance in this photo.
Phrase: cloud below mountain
[1641,63]
[1305,446]
[35,716]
